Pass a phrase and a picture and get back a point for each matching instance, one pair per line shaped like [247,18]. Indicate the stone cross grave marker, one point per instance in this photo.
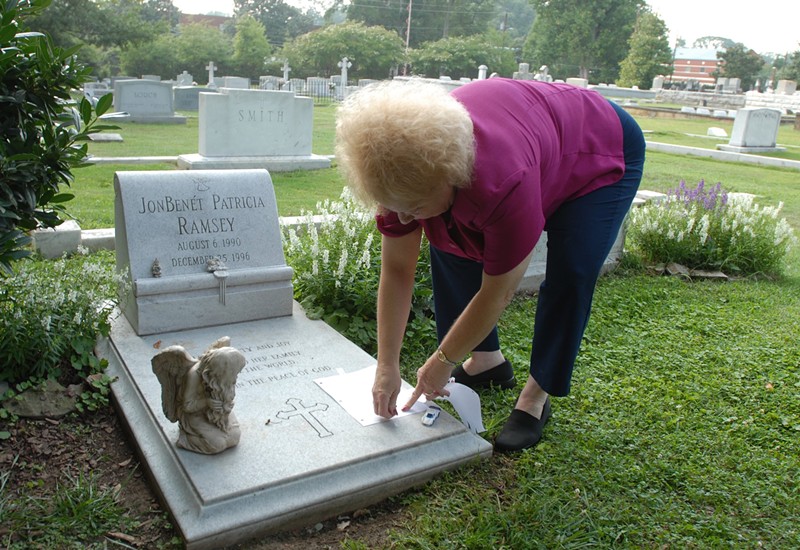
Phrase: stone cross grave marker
[286,70]
[211,68]
[344,64]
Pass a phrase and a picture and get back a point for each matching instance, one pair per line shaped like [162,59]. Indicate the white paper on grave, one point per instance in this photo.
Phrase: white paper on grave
[353,391]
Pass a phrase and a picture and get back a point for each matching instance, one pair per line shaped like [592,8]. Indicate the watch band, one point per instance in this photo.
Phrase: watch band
[443,358]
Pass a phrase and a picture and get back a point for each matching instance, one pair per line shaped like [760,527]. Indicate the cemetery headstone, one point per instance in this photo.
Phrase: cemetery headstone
[254,129]
[579,82]
[237,82]
[184,79]
[93,91]
[145,101]
[310,445]
[154,77]
[170,234]
[187,98]
[524,72]
[482,71]
[786,87]
[543,75]
[658,83]
[269,83]
[755,130]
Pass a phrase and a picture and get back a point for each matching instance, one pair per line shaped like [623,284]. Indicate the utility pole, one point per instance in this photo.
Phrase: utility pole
[408,36]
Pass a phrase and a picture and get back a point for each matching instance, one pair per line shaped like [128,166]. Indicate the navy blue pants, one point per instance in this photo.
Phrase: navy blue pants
[580,234]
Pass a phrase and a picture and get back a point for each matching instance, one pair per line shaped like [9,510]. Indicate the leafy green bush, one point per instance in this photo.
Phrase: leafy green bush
[51,313]
[39,128]
[335,255]
[705,228]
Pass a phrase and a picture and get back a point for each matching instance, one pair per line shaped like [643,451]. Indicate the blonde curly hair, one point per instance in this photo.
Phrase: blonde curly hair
[399,141]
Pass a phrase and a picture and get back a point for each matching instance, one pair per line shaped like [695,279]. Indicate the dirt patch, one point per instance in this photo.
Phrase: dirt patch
[41,454]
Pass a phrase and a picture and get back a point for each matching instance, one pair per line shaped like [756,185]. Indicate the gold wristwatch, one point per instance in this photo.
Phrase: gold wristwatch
[443,358]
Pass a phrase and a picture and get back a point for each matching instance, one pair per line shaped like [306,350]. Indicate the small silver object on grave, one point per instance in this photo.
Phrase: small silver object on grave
[156,269]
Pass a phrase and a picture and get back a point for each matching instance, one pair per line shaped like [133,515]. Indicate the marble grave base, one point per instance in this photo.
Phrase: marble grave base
[196,161]
[302,457]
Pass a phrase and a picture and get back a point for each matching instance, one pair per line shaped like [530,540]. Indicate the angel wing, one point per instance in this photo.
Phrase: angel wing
[223,342]
[170,367]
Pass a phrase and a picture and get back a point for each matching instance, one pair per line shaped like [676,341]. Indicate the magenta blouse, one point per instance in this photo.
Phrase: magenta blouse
[538,145]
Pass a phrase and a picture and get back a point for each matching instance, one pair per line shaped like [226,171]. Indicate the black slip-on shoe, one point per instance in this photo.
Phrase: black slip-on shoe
[502,375]
[522,430]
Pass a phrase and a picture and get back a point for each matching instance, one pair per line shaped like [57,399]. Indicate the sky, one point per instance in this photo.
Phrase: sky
[766,26]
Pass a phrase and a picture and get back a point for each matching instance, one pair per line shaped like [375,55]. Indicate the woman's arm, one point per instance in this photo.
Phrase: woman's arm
[398,268]
[471,327]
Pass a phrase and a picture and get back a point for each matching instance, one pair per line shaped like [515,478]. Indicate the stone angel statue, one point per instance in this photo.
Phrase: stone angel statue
[198,394]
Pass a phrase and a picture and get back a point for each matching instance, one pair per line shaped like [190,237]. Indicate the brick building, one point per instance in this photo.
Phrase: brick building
[695,64]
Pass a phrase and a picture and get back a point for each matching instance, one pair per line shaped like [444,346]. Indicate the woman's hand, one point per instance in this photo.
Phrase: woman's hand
[385,390]
[431,380]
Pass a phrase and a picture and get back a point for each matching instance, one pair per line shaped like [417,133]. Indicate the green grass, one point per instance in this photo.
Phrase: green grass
[79,514]
[693,133]
[682,430]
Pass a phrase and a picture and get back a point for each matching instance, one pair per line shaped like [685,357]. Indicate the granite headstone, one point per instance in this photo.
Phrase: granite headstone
[147,101]
[755,130]
[254,129]
[174,227]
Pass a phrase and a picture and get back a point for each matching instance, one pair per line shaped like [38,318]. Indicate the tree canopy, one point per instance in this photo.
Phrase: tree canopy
[250,47]
[281,21]
[649,54]
[741,62]
[430,19]
[460,56]
[373,51]
[579,38]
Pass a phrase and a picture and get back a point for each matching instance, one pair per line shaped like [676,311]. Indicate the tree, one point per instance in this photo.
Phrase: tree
[157,57]
[649,52]
[39,128]
[587,39]
[791,67]
[250,47]
[103,22]
[198,44]
[713,42]
[281,21]
[430,19]
[740,62]
[373,51]
[460,56]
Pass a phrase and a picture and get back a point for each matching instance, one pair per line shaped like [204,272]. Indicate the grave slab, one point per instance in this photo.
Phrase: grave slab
[302,457]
